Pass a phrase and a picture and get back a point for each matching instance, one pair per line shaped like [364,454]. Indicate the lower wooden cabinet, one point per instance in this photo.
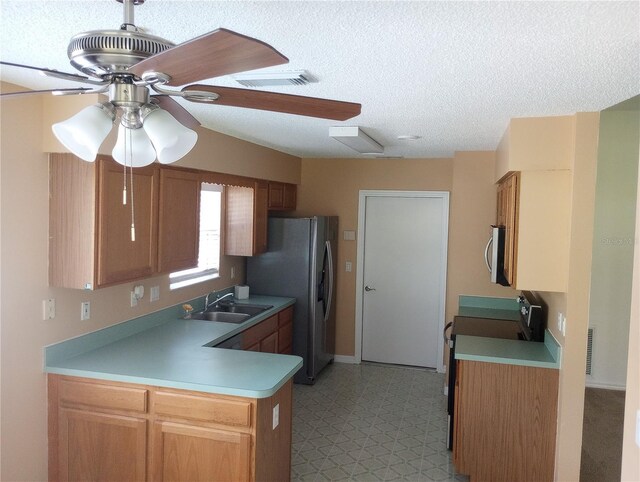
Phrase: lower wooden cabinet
[103,431]
[505,422]
[184,452]
[273,335]
[101,446]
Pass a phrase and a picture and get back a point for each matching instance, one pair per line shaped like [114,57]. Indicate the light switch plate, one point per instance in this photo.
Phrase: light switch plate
[154,293]
[85,310]
[349,235]
[348,266]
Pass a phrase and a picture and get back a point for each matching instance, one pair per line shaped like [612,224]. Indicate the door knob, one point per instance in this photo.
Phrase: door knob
[367,288]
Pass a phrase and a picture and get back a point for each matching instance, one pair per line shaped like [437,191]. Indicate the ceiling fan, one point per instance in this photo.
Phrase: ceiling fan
[134,69]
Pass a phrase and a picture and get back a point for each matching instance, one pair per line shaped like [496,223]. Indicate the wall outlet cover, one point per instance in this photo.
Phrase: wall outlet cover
[276,416]
[154,293]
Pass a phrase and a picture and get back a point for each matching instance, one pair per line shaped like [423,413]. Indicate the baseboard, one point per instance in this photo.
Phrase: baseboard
[345,359]
[606,386]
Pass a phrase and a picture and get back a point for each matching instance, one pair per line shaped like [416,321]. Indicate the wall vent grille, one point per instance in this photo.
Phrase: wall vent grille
[590,333]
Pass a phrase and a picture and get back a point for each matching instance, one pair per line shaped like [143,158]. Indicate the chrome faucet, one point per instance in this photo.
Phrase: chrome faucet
[218,299]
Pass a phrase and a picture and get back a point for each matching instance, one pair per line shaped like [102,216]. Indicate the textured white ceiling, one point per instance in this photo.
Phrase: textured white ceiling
[451,72]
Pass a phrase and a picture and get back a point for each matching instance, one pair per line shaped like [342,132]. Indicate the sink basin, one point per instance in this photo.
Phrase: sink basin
[246,309]
[231,312]
[222,316]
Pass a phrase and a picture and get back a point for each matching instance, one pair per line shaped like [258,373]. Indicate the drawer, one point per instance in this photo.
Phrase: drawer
[103,396]
[259,331]
[205,409]
[285,316]
[285,334]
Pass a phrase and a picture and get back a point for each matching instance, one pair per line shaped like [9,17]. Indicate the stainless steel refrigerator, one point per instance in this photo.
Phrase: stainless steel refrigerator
[300,262]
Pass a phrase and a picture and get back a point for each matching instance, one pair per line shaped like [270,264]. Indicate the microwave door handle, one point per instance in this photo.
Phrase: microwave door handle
[486,253]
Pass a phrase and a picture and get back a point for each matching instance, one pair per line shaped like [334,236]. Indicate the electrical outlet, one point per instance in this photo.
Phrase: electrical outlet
[638,428]
[48,309]
[276,416]
[233,272]
[134,299]
[559,318]
[85,310]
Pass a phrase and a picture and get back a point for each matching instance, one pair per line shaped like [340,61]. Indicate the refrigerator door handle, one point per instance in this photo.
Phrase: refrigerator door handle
[329,258]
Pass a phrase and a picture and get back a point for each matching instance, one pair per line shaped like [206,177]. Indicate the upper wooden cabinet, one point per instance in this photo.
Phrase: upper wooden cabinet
[90,229]
[282,196]
[508,202]
[246,219]
[534,207]
[179,220]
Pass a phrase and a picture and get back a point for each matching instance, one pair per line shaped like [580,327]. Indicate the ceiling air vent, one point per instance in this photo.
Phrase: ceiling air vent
[264,79]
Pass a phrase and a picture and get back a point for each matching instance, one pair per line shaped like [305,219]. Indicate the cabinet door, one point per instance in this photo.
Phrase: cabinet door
[289,197]
[507,216]
[179,220]
[285,331]
[119,257]
[510,203]
[276,195]
[184,452]
[269,344]
[96,446]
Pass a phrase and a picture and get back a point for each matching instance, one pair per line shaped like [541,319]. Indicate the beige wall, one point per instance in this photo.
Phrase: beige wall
[24,277]
[331,187]
[472,212]
[574,304]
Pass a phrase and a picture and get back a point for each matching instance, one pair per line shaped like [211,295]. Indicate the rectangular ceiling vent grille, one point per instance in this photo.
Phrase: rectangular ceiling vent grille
[293,77]
[589,350]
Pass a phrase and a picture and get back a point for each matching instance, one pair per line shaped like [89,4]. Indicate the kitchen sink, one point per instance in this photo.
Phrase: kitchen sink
[246,309]
[222,316]
[231,312]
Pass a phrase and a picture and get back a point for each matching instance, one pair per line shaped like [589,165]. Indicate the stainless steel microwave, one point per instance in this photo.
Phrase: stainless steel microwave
[494,255]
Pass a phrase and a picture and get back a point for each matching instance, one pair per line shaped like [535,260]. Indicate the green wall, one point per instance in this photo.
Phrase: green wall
[614,241]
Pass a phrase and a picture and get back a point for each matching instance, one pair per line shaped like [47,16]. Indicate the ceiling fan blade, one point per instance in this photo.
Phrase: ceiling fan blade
[55,73]
[217,53]
[273,101]
[48,91]
[176,110]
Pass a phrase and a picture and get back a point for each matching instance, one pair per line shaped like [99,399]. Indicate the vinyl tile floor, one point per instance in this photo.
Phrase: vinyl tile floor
[371,422]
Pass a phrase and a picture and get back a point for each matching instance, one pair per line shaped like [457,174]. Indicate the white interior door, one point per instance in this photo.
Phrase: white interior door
[403,278]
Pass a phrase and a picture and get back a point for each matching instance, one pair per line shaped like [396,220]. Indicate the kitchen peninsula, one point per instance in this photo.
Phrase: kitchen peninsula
[152,398]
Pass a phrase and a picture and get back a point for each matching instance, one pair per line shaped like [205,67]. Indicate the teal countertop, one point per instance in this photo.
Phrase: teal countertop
[509,352]
[162,349]
[488,307]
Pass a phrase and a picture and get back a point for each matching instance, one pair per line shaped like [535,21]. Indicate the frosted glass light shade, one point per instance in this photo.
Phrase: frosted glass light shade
[83,133]
[171,139]
[139,150]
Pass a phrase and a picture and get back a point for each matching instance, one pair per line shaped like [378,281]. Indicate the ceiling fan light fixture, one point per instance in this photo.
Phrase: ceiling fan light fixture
[354,138]
[83,133]
[171,140]
[133,148]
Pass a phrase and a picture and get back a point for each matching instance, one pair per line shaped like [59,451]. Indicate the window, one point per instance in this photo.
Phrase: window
[209,254]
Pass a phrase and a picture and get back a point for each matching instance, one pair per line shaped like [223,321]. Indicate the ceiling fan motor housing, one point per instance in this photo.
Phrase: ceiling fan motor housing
[101,53]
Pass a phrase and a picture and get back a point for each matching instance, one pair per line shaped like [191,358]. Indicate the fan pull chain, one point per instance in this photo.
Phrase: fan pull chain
[124,182]
[133,223]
